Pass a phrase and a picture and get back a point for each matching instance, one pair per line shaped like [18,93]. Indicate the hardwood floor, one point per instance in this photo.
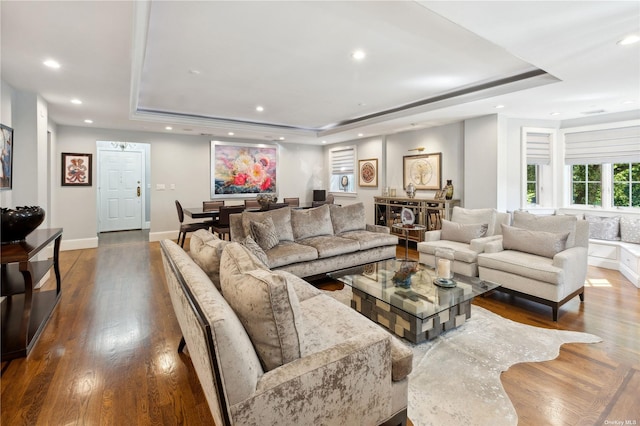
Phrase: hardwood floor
[108,355]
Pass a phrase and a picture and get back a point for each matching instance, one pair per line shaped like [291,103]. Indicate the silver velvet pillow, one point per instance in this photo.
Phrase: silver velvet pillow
[255,250]
[264,233]
[462,233]
[604,228]
[541,243]
[348,218]
[630,229]
[307,223]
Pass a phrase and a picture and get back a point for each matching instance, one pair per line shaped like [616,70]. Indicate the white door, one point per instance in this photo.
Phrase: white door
[120,190]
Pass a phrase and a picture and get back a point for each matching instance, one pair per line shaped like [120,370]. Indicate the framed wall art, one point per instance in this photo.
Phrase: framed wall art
[240,170]
[76,169]
[6,158]
[368,172]
[422,170]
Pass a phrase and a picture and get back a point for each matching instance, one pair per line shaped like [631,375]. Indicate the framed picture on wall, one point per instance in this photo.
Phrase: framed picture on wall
[368,172]
[422,170]
[76,169]
[243,170]
[6,158]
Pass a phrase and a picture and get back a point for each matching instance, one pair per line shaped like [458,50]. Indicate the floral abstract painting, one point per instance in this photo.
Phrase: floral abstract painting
[243,169]
[76,169]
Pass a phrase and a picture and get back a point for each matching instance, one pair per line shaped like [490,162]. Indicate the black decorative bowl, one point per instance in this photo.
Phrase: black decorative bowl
[18,223]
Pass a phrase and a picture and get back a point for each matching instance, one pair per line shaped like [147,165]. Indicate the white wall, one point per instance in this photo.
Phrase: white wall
[6,101]
[481,162]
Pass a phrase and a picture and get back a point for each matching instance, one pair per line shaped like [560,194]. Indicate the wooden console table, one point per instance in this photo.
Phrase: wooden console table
[25,311]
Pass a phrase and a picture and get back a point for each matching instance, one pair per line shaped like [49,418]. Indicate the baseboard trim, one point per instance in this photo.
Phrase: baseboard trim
[79,244]
[165,235]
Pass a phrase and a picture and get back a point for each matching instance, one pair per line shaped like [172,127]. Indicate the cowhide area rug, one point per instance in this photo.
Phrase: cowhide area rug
[456,377]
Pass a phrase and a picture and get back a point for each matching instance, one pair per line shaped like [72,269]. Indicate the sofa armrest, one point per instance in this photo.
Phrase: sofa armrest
[494,246]
[348,383]
[478,244]
[378,228]
[432,235]
[573,262]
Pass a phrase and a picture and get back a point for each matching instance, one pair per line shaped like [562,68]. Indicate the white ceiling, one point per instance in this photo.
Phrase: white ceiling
[204,66]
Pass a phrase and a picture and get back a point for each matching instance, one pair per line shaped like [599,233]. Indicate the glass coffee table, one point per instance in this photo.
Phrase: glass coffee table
[415,309]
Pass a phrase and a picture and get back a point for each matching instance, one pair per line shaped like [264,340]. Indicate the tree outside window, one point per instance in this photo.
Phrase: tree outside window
[586,184]
[532,184]
[626,184]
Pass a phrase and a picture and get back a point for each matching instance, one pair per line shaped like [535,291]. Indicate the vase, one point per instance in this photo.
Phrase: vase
[448,188]
[18,223]
[411,190]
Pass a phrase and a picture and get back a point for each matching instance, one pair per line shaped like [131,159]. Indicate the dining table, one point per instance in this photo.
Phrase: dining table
[200,213]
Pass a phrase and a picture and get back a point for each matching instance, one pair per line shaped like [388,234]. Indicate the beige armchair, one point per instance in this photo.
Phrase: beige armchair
[540,258]
[467,234]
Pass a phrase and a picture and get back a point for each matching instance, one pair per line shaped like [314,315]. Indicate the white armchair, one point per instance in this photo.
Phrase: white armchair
[543,259]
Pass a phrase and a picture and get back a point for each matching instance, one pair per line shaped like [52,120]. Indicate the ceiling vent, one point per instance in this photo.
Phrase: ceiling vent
[595,111]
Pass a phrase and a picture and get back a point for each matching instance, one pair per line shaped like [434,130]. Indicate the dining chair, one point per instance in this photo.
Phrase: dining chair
[188,227]
[251,204]
[212,205]
[293,202]
[273,206]
[221,227]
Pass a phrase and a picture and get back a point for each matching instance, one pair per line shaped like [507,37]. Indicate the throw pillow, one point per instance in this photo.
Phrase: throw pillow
[307,223]
[206,250]
[532,222]
[269,310]
[264,233]
[630,229]
[604,228]
[546,244]
[474,216]
[462,233]
[281,219]
[348,218]
[255,250]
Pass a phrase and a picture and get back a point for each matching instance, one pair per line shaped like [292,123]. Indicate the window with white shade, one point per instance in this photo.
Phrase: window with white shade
[537,148]
[342,165]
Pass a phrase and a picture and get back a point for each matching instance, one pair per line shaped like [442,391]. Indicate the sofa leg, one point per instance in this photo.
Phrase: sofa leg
[555,313]
[181,345]
[581,295]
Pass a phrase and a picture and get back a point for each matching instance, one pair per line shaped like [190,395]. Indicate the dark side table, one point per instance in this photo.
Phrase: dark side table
[25,311]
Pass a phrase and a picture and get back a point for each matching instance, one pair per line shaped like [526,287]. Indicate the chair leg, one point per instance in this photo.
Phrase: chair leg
[181,345]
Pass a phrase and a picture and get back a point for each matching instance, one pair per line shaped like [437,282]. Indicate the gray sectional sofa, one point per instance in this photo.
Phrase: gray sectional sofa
[271,349]
[312,242]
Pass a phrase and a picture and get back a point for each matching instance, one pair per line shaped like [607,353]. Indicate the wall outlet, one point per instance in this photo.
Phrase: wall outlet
[172,186]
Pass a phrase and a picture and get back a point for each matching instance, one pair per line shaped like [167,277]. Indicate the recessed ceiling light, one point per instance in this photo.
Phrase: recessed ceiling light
[194,72]
[628,102]
[52,64]
[231,133]
[88,121]
[358,55]
[360,135]
[630,39]
[281,138]
[499,106]
[554,113]
[324,141]
[259,108]
[168,128]
[76,101]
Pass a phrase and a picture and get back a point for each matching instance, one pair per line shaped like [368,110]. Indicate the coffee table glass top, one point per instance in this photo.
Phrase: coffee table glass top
[421,298]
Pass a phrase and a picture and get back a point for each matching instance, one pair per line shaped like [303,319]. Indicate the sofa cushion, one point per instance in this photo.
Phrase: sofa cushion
[348,218]
[311,222]
[604,228]
[264,233]
[462,251]
[472,216]
[329,246]
[532,222]
[288,252]
[269,310]
[462,233]
[256,250]
[205,249]
[630,229]
[303,289]
[281,219]
[341,325]
[542,243]
[368,239]
[523,264]
[237,259]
